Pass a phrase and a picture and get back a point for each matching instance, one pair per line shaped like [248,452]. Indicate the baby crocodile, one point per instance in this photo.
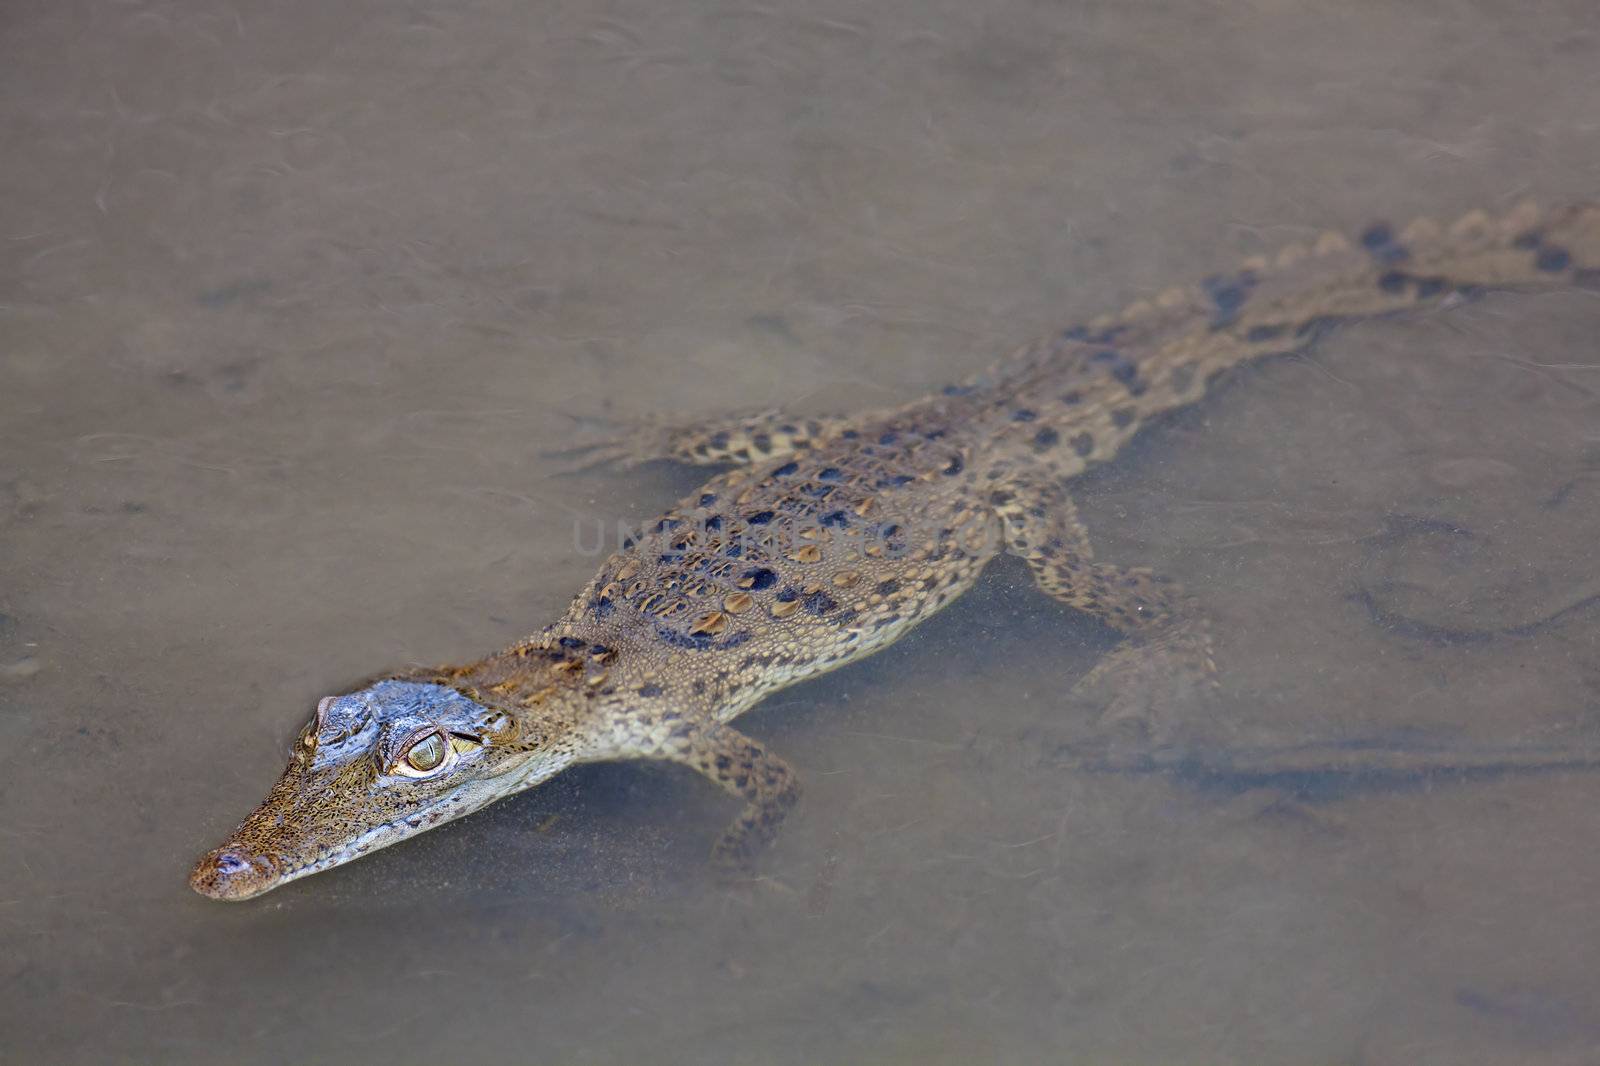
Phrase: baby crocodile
[831,537]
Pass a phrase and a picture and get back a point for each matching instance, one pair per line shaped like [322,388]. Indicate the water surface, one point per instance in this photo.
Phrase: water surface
[295,296]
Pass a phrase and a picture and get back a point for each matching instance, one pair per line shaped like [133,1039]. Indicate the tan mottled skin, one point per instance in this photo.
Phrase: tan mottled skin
[830,538]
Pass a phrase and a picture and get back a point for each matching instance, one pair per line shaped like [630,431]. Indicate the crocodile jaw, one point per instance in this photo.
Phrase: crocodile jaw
[236,871]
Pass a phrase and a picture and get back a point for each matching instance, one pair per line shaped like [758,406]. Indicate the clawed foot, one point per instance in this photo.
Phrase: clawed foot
[737,872]
[1146,692]
[751,891]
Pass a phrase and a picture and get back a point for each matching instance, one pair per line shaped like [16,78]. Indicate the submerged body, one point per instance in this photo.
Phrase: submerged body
[830,538]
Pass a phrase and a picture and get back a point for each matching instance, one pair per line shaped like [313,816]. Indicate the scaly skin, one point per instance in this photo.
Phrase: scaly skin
[830,538]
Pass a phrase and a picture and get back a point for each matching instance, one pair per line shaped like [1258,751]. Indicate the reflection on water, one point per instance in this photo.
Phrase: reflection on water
[294,299]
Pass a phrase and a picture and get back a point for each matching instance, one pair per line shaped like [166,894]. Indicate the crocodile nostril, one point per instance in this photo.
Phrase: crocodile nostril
[235,873]
[230,862]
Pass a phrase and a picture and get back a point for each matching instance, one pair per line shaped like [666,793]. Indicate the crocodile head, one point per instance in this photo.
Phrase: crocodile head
[372,768]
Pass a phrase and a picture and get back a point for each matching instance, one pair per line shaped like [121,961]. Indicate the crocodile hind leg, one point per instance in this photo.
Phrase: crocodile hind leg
[725,441]
[1164,660]
[742,767]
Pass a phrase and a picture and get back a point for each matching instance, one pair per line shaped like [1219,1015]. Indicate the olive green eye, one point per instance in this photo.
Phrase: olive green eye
[427,753]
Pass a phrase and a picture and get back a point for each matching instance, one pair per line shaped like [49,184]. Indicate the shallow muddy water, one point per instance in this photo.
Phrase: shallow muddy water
[294,298]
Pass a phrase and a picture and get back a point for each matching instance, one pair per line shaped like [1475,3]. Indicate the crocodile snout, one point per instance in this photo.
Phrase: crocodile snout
[231,873]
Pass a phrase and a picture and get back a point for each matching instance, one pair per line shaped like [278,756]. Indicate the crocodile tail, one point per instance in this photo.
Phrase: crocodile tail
[1281,304]
[1159,354]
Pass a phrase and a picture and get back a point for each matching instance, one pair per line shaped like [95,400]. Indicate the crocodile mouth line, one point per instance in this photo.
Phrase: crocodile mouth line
[233,873]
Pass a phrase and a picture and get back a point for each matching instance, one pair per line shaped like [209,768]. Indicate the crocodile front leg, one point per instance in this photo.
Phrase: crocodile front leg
[742,767]
[1165,659]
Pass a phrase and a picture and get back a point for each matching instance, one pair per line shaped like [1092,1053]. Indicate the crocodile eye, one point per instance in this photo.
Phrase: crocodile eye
[426,754]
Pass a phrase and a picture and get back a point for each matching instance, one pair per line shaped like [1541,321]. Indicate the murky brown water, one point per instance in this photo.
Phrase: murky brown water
[293,297]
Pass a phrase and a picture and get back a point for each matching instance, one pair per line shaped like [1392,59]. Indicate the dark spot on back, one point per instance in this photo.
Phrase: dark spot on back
[760,518]
[1083,444]
[761,442]
[651,689]
[1045,439]
[835,519]
[1228,298]
[1022,414]
[1553,260]
[957,464]
[1073,397]
[786,469]
[831,473]
[888,588]
[819,602]
[760,578]
[1393,281]
[1122,417]
[1228,295]
[1378,240]
[570,642]
[671,636]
